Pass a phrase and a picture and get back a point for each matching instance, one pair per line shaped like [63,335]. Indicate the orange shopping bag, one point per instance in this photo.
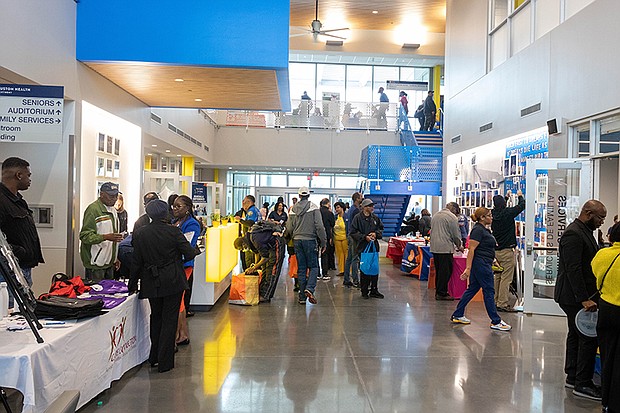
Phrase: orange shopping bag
[244,289]
[292,266]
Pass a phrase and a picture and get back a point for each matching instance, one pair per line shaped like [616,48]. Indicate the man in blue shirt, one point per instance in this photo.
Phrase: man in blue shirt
[352,264]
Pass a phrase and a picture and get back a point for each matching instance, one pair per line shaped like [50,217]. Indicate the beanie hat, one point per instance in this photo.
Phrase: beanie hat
[157,209]
[499,202]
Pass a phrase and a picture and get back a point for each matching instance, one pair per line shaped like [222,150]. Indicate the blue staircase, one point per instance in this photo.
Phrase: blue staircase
[428,138]
[391,209]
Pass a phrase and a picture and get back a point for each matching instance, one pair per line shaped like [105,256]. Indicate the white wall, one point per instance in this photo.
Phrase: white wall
[295,147]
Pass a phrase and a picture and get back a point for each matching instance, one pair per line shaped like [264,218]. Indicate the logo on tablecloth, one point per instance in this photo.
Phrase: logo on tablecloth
[118,344]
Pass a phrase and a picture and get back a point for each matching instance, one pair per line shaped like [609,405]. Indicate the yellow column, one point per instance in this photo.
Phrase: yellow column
[187,169]
[216,175]
[436,87]
[147,162]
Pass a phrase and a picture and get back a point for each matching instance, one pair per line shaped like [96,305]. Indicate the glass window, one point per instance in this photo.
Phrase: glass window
[572,7]
[414,74]
[330,82]
[296,181]
[382,75]
[359,84]
[499,46]
[610,135]
[301,78]
[346,181]
[583,140]
[321,181]
[243,179]
[500,12]
[521,29]
[547,16]
[273,180]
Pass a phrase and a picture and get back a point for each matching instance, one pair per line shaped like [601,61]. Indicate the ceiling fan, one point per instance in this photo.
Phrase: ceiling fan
[316,27]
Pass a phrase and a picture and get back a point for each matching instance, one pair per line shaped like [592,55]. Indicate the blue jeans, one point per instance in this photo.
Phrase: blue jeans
[307,258]
[481,276]
[352,264]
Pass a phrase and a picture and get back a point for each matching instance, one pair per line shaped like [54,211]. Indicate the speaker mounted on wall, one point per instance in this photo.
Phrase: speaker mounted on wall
[553,127]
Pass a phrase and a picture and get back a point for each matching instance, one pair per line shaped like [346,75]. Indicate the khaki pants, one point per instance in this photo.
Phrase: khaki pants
[506,259]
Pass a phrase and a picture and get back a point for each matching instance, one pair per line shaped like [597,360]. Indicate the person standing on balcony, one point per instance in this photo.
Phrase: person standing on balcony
[430,112]
[384,104]
[419,115]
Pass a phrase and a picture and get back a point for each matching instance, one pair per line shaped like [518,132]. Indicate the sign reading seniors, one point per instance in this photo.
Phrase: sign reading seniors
[31,113]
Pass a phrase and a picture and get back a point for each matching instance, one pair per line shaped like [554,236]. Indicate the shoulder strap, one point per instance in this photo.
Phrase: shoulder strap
[605,275]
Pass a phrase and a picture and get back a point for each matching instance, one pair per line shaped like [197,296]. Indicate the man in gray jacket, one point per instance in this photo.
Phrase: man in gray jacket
[305,226]
[445,235]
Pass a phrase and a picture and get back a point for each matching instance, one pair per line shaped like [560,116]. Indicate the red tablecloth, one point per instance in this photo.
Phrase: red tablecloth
[396,247]
[456,286]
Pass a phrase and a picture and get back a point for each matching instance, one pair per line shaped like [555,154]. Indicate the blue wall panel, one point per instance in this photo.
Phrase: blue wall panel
[241,33]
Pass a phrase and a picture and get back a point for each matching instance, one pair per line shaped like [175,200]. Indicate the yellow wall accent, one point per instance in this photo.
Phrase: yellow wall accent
[518,3]
[216,175]
[187,169]
[147,162]
[437,87]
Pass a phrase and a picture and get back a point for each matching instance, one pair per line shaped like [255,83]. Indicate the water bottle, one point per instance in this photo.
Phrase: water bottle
[4,300]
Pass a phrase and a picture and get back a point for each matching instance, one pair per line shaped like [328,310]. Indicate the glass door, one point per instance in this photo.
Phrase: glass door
[556,190]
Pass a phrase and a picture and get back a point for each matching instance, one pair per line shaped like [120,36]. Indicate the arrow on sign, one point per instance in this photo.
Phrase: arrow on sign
[57,120]
[58,103]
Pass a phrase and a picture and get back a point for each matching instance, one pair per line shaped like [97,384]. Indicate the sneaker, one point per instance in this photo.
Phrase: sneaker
[460,320]
[501,326]
[570,383]
[302,302]
[506,309]
[296,289]
[310,296]
[356,284]
[588,392]
[447,297]
[365,296]
[347,284]
[326,278]
[376,294]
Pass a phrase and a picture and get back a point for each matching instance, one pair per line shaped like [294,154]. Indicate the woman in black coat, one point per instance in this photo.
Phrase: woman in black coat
[159,252]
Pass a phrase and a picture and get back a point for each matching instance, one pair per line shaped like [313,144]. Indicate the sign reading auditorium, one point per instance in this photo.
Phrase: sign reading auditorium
[31,113]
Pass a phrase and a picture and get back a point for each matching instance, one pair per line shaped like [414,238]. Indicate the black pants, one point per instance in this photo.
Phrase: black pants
[327,259]
[367,281]
[580,350]
[188,293]
[164,319]
[608,330]
[443,271]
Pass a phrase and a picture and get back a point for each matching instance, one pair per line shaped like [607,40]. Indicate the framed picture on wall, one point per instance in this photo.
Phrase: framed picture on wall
[506,167]
[100,166]
[483,198]
[489,199]
[513,164]
[101,143]
[477,204]
[109,168]
[110,145]
[117,169]
[467,198]
[117,147]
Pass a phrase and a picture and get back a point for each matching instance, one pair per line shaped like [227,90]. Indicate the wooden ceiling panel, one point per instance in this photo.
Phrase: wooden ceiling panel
[357,14]
[218,88]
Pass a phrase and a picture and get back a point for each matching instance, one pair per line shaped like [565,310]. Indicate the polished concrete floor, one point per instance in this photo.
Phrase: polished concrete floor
[346,354]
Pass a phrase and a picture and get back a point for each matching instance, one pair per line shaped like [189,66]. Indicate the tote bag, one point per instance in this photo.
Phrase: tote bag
[369,260]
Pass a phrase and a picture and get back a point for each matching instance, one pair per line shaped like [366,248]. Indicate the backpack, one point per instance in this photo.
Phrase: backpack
[261,234]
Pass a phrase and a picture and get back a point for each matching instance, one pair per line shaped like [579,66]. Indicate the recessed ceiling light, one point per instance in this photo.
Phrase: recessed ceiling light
[154,146]
[197,100]
[167,150]
[179,155]
[345,170]
[179,80]
[230,167]
[149,154]
[375,12]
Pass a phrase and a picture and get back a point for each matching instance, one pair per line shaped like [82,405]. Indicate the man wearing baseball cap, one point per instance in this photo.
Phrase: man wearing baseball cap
[99,235]
[366,229]
[304,227]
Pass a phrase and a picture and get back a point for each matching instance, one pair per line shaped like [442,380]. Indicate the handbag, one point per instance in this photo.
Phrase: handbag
[369,260]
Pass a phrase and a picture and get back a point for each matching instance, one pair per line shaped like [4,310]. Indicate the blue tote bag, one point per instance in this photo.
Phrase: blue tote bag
[369,260]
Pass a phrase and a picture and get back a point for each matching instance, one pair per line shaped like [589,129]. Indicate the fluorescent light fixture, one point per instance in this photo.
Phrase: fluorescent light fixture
[334,43]
[154,146]
[411,45]
[168,151]
[375,12]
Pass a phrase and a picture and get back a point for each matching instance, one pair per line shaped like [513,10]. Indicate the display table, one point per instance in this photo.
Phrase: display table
[86,356]
[212,268]
[396,247]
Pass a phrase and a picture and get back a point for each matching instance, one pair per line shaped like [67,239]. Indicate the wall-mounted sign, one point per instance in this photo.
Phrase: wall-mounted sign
[407,85]
[31,113]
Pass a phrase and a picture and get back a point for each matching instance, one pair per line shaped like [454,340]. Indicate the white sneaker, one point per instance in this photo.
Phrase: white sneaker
[501,326]
[461,320]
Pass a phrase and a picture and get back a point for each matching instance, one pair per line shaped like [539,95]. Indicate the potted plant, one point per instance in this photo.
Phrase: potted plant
[215,219]
[225,219]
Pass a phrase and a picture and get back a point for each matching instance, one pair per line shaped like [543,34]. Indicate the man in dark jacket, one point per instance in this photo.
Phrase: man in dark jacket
[16,219]
[430,111]
[160,250]
[575,289]
[352,263]
[504,231]
[367,228]
[144,218]
[328,223]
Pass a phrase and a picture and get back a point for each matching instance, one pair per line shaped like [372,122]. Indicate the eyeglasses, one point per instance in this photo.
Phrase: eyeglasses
[600,217]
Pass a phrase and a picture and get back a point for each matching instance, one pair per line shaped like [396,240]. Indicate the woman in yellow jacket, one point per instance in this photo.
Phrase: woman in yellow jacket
[606,267]
[340,237]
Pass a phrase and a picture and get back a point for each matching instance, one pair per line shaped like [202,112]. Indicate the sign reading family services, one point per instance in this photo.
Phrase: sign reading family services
[31,113]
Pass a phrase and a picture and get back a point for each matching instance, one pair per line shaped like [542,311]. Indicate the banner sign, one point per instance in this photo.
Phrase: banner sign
[31,113]
[405,85]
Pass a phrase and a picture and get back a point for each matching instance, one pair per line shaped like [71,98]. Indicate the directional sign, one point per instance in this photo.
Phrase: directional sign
[30,113]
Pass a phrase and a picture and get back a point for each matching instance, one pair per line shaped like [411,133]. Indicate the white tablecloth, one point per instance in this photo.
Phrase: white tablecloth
[87,356]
